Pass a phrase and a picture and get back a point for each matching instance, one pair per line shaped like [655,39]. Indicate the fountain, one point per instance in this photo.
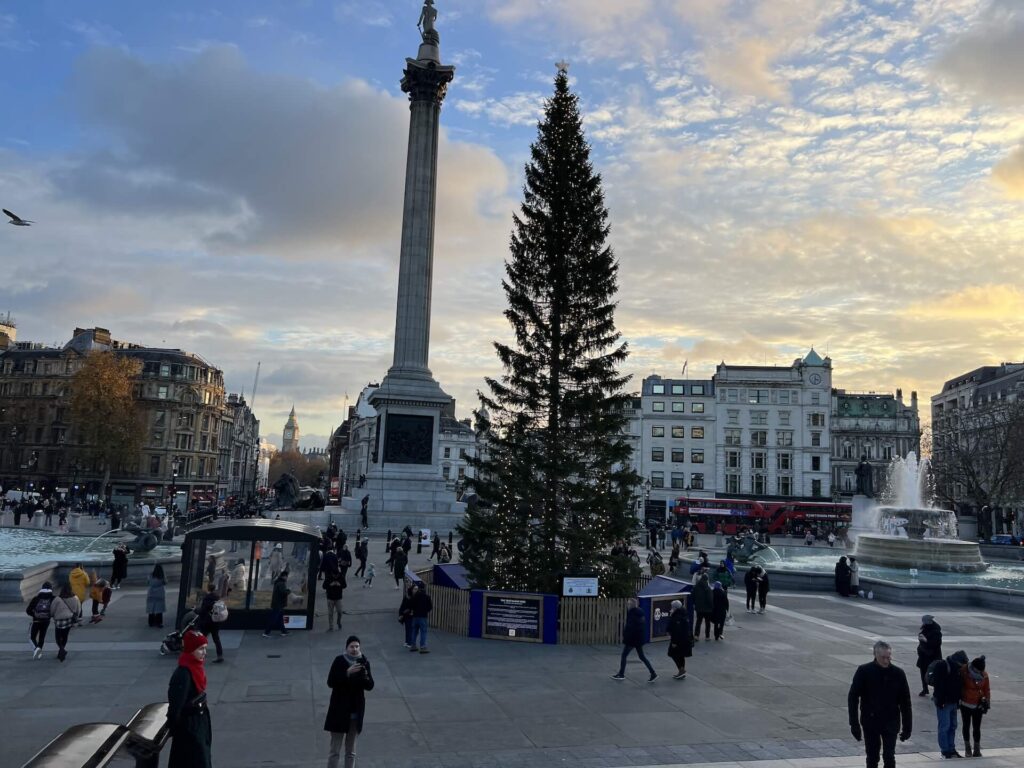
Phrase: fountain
[909,533]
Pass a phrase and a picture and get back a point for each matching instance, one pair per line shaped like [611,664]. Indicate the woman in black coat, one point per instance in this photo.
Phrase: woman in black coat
[119,571]
[719,608]
[187,713]
[349,680]
[750,581]
[763,587]
[680,640]
[929,648]
[843,574]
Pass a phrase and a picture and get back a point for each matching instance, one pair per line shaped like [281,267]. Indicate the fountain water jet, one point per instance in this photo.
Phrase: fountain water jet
[909,534]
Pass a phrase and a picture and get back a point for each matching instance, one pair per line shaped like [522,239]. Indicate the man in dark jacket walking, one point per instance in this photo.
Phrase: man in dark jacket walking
[929,648]
[879,706]
[633,637]
[948,685]
[421,606]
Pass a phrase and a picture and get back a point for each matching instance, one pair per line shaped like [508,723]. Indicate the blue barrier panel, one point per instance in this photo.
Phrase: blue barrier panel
[476,613]
[451,575]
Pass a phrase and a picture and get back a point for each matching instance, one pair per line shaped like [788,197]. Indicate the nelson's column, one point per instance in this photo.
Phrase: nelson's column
[404,482]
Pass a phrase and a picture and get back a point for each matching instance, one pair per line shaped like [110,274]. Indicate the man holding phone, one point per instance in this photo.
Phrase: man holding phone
[349,680]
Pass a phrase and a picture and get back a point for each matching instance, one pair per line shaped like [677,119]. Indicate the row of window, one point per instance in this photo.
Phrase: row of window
[678,456]
[677,389]
[760,418]
[759,396]
[678,480]
[759,485]
[658,430]
[849,452]
[759,460]
[658,406]
[446,472]
[448,453]
[783,437]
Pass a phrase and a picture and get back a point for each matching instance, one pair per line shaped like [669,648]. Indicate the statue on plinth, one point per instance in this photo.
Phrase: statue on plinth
[865,478]
[428,17]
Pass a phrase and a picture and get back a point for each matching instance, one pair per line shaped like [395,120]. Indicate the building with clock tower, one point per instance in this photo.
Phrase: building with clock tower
[290,436]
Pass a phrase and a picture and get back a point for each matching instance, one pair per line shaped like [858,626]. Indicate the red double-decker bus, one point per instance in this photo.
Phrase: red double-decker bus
[732,514]
[798,516]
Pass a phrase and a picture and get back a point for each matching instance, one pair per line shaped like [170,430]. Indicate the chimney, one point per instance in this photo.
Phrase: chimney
[101,336]
[899,396]
[913,400]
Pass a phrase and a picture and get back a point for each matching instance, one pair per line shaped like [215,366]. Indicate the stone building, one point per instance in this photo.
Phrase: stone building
[240,437]
[182,404]
[290,434]
[880,427]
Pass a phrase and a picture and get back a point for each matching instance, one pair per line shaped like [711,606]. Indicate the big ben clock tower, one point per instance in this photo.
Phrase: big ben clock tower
[290,436]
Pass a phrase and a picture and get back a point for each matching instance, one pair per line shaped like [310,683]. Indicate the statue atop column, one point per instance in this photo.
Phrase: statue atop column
[865,478]
[428,16]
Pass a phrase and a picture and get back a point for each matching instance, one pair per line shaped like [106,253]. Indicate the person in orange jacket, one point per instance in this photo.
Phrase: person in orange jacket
[975,698]
[79,581]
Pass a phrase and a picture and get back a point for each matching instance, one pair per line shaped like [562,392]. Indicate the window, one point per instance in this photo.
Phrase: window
[733,416]
[697,389]
[732,484]
[732,459]
[678,480]
[462,473]
[697,481]
[847,451]
[165,369]
[785,486]
[784,397]
[759,437]
[462,453]
[759,418]
[815,398]
[657,479]
[887,452]
[657,431]
[759,485]
[183,442]
[784,418]
[697,457]
[815,463]
[658,389]
[678,432]
[696,407]
[817,419]
[679,407]
[161,392]
[678,455]
[816,439]
[816,488]
[784,437]
[678,389]
[733,395]
[160,418]
[868,452]
[202,468]
[446,472]
[447,453]
[154,465]
[784,460]
[757,396]
[657,454]
[759,460]
[733,436]
[658,406]
[697,433]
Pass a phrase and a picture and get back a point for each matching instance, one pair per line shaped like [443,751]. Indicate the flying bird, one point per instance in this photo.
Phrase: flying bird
[16,220]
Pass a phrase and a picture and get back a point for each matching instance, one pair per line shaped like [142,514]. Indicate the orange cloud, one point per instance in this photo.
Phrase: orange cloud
[1009,174]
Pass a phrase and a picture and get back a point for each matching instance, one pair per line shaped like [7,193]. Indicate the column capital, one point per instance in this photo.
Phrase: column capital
[426,80]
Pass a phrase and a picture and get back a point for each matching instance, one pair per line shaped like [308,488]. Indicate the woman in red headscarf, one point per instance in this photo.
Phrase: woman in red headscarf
[187,712]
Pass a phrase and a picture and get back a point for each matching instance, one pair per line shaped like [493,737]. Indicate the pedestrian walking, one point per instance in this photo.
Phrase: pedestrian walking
[703,604]
[344,561]
[210,611]
[719,608]
[421,606]
[278,602]
[362,553]
[944,676]
[188,714]
[370,573]
[975,701]
[763,588]
[156,596]
[680,645]
[349,680]
[633,639]
[879,706]
[929,648]
[435,547]
[831,539]
[405,613]
[40,611]
[334,590]
[65,610]
[750,582]
[398,562]
[329,561]
[79,581]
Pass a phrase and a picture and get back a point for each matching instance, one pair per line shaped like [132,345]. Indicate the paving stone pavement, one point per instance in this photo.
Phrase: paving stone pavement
[771,695]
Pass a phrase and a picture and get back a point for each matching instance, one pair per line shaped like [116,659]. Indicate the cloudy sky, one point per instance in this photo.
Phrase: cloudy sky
[847,174]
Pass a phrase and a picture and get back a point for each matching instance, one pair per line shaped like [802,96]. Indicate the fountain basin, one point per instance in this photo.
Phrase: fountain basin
[945,555]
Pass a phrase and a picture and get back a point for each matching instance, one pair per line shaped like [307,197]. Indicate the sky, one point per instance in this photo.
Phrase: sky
[227,179]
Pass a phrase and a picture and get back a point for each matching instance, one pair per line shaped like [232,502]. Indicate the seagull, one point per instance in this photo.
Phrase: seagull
[16,220]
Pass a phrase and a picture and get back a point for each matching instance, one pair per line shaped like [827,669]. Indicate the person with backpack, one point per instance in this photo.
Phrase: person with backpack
[879,706]
[334,590]
[929,648]
[944,676]
[39,609]
[210,611]
[975,701]
[65,610]
[633,639]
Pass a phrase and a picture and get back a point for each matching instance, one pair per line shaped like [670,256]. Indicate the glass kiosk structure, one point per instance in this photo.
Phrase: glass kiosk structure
[242,559]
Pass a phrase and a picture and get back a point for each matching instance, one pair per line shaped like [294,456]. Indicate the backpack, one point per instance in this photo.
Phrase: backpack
[42,609]
[933,674]
[219,612]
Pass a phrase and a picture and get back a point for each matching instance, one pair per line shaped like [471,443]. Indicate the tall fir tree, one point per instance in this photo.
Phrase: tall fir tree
[555,473]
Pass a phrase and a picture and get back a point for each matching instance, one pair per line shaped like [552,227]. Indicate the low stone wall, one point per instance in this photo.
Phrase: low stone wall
[21,586]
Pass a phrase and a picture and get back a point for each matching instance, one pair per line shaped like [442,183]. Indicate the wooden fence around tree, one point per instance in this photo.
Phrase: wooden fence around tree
[591,620]
[451,610]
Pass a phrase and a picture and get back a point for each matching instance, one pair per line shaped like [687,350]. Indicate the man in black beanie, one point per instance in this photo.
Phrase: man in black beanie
[879,706]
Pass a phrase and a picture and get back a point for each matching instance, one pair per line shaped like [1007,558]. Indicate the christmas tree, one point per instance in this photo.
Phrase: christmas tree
[554,474]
